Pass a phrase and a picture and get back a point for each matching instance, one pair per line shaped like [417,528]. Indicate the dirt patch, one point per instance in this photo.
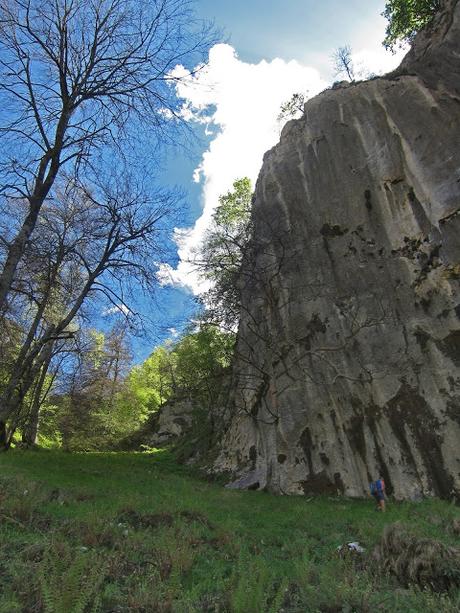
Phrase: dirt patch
[321,483]
[144,520]
[100,534]
[197,517]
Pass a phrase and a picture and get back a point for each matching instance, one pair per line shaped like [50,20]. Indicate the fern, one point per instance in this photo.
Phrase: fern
[277,603]
[252,585]
[70,580]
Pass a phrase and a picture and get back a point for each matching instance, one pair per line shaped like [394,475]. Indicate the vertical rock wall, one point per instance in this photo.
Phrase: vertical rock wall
[349,345]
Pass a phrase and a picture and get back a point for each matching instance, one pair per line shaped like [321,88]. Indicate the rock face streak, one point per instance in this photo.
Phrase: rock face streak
[349,345]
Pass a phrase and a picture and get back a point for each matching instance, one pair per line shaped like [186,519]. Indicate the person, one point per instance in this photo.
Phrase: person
[378,491]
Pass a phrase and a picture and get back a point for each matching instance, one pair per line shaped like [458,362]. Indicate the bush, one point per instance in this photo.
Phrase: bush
[427,563]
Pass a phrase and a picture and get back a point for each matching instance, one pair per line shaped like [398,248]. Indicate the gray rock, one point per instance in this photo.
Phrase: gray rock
[172,420]
[348,349]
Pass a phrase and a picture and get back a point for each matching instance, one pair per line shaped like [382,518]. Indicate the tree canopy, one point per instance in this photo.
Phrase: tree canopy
[406,18]
[223,250]
[191,367]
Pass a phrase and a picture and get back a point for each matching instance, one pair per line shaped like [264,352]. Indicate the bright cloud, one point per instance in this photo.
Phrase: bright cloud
[115,310]
[239,104]
[376,61]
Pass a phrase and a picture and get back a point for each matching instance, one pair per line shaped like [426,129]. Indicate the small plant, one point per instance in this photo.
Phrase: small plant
[293,107]
[70,580]
[252,583]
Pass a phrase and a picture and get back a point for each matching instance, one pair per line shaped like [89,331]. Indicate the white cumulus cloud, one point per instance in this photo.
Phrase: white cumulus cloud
[376,61]
[239,103]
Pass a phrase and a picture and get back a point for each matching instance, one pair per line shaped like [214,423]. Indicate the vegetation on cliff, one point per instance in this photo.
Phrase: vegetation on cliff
[406,18]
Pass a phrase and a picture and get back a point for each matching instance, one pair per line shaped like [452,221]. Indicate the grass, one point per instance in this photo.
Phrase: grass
[137,532]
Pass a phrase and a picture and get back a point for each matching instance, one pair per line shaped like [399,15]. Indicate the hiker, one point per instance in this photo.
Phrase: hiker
[378,491]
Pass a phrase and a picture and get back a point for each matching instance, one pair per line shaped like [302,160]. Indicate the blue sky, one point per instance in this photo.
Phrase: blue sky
[306,30]
[272,50]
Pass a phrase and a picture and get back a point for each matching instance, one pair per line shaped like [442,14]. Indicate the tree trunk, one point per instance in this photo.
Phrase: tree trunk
[15,253]
[47,171]
[4,438]
[30,430]
[12,403]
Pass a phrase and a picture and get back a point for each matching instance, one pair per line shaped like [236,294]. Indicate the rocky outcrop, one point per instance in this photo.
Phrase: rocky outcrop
[172,421]
[348,350]
[166,426]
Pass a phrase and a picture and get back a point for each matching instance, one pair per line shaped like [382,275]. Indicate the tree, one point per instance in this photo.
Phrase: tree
[77,77]
[91,412]
[293,107]
[343,63]
[223,251]
[189,368]
[195,371]
[201,358]
[38,396]
[150,384]
[406,18]
[89,244]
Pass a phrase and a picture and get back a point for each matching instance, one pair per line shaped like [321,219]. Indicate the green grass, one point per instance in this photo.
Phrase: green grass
[137,532]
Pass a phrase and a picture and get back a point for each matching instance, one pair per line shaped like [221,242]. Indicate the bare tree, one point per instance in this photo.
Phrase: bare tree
[342,62]
[91,244]
[76,76]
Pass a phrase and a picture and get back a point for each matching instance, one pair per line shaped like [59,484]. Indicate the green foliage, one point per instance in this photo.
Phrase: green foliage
[200,359]
[190,368]
[106,402]
[223,251]
[70,580]
[97,408]
[293,107]
[193,369]
[406,18]
[149,384]
[146,534]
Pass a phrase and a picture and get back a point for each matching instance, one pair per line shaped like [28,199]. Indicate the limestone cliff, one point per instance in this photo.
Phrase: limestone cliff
[349,345]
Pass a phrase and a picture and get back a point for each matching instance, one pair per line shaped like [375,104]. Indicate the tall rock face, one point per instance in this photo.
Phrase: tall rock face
[348,350]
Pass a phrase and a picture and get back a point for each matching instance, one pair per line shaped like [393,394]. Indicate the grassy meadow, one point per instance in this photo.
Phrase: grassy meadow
[116,532]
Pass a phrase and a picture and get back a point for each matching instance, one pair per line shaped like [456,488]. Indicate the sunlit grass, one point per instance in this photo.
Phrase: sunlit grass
[167,540]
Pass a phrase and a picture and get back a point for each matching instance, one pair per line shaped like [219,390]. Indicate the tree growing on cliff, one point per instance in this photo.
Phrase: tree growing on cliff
[406,18]
[223,251]
[342,62]
[292,107]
